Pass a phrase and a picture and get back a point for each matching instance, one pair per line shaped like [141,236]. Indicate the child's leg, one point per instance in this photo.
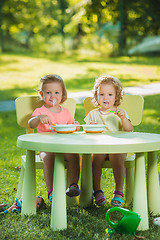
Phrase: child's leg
[48,159]
[117,161]
[97,162]
[74,172]
[73,166]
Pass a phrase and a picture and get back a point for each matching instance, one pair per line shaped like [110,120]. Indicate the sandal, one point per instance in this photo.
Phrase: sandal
[3,206]
[50,194]
[100,200]
[17,205]
[73,190]
[119,200]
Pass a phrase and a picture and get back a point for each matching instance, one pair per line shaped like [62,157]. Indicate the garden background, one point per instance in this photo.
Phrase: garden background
[79,40]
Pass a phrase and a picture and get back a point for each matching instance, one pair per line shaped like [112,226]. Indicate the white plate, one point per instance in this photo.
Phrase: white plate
[65,128]
[94,128]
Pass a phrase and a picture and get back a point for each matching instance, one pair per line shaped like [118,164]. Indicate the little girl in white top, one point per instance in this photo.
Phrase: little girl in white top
[107,96]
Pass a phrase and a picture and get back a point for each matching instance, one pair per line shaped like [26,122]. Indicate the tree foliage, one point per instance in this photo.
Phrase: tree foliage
[26,21]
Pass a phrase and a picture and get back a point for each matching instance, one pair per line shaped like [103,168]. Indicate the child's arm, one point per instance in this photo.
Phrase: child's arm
[126,123]
[35,121]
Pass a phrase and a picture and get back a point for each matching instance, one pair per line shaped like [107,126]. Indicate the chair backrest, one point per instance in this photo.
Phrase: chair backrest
[25,105]
[132,104]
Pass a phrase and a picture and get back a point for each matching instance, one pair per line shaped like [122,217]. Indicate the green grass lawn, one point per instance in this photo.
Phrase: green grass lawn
[19,76]
[20,73]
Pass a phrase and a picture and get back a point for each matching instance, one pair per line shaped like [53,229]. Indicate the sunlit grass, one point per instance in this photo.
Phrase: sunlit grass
[88,223]
[20,74]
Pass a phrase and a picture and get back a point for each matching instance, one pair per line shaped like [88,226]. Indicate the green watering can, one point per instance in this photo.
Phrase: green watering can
[128,224]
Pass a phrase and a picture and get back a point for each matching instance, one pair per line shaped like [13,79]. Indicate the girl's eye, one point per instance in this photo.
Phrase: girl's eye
[56,92]
[101,94]
[48,92]
[110,94]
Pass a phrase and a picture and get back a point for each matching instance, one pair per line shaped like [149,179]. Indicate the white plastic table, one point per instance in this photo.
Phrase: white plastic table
[86,144]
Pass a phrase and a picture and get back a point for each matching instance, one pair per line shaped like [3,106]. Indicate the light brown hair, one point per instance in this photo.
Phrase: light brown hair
[53,78]
[107,79]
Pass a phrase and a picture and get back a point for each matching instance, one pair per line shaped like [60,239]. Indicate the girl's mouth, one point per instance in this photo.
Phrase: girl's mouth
[105,103]
[53,101]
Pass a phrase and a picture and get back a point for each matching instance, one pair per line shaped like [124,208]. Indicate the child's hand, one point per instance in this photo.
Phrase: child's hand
[77,123]
[44,119]
[121,113]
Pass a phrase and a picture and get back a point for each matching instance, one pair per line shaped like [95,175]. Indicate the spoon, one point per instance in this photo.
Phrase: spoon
[53,101]
[113,111]
[53,124]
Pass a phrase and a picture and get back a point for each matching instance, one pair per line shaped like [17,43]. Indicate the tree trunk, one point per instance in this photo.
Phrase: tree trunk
[123,26]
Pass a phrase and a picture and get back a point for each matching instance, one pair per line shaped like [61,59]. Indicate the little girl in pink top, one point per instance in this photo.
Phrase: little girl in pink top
[53,93]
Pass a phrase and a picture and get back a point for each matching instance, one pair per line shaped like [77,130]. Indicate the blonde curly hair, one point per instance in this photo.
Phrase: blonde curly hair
[53,78]
[107,79]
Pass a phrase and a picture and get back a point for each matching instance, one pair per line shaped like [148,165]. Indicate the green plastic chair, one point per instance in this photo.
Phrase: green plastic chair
[133,104]
[25,106]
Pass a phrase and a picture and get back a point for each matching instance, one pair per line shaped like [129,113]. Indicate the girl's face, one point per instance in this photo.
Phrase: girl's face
[106,96]
[52,94]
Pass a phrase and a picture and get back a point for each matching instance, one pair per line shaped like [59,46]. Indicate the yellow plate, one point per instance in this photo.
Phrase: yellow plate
[94,131]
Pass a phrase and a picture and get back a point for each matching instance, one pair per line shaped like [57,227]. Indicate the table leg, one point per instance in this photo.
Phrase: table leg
[153,184]
[86,181]
[29,187]
[140,192]
[58,211]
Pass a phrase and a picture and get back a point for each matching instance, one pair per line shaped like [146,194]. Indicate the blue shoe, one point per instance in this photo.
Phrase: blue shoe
[116,201]
[73,190]
[50,195]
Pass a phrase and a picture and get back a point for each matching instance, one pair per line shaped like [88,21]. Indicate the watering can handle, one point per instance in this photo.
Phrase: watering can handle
[112,224]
